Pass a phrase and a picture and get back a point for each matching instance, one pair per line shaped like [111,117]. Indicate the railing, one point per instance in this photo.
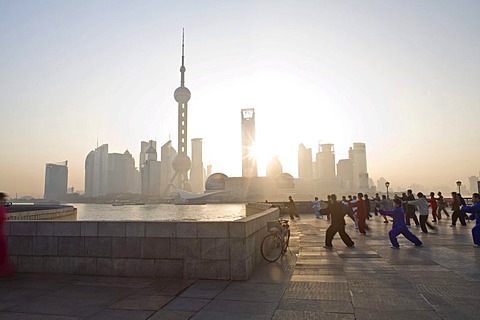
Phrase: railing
[47,213]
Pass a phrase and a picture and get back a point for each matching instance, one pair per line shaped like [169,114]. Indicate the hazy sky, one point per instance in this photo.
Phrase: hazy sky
[401,76]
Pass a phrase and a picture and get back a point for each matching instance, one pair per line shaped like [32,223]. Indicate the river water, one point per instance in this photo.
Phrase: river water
[159,212]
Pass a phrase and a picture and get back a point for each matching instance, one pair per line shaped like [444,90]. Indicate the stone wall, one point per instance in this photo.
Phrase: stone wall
[194,250]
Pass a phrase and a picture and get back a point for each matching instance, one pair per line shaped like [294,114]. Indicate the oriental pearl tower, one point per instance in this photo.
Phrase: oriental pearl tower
[182,163]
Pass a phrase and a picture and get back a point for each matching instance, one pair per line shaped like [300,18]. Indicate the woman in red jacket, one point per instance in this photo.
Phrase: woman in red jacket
[6,267]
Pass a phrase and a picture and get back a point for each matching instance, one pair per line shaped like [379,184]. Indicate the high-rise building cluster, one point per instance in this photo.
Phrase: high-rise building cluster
[109,173]
[325,175]
[115,173]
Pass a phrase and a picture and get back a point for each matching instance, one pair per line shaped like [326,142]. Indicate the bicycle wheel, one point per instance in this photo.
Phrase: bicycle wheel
[286,239]
[271,247]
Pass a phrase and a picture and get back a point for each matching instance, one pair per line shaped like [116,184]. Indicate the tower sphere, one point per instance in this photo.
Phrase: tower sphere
[182,95]
[181,163]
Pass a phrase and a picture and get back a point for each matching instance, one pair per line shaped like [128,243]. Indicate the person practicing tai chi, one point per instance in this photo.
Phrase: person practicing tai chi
[399,225]
[422,204]
[475,214]
[337,211]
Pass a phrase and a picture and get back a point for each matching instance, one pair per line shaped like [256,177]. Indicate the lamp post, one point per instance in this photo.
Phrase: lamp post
[387,184]
[459,183]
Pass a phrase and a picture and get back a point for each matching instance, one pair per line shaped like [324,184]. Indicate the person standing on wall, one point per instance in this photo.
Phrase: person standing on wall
[6,268]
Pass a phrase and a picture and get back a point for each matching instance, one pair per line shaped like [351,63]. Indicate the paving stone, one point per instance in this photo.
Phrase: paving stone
[375,314]
[318,278]
[244,291]
[25,316]
[454,291]
[316,305]
[187,304]
[118,314]
[142,302]
[308,315]
[217,315]
[396,302]
[205,289]
[250,307]
[171,315]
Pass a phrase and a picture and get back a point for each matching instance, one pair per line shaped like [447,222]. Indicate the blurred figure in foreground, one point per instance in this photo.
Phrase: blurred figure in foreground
[6,267]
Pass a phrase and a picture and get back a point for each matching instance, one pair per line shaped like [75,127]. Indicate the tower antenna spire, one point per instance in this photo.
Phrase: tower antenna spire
[182,68]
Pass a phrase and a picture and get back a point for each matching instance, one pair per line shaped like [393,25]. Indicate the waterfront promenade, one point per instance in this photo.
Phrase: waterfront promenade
[440,280]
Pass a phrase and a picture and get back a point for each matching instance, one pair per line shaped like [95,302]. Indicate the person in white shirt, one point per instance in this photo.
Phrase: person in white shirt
[423,206]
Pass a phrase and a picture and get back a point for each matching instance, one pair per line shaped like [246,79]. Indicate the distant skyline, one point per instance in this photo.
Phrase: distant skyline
[400,76]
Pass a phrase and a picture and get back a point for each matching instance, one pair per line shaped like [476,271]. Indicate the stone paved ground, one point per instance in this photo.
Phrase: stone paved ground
[440,280]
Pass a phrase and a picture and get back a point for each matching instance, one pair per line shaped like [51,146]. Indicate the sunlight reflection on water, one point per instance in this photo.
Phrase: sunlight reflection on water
[159,212]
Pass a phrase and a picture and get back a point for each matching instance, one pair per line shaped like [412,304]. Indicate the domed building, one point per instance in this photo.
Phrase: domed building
[216,182]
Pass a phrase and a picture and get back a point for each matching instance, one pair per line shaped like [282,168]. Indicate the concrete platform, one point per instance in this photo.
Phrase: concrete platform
[440,280]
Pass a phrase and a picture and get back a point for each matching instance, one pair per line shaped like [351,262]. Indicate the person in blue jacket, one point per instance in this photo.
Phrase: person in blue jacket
[475,214]
[399,225]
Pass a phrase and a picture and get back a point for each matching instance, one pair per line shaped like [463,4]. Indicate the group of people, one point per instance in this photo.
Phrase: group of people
[401,210]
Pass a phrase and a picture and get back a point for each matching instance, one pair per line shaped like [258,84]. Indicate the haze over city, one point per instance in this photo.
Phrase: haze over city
[402,77]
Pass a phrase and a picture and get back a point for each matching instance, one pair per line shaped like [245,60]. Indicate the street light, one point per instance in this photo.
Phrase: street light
[387,184]
[459,183]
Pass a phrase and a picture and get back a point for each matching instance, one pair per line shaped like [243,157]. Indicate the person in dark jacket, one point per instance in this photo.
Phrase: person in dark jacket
[410,209]
[457,213]
[399,225]
[292,208]
[337,213]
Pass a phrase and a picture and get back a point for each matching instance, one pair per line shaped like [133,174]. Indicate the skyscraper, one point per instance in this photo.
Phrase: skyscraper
[121,173]
[326,161]
[167,154]
[56,179]
[96,166]
[305,165]
[358,155]
[473,184]
[144,145]
[182,163]
[345,174]
[151,173]
[249,163]
[197,173]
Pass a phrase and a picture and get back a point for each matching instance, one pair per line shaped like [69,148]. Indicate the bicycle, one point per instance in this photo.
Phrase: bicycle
[276,243]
